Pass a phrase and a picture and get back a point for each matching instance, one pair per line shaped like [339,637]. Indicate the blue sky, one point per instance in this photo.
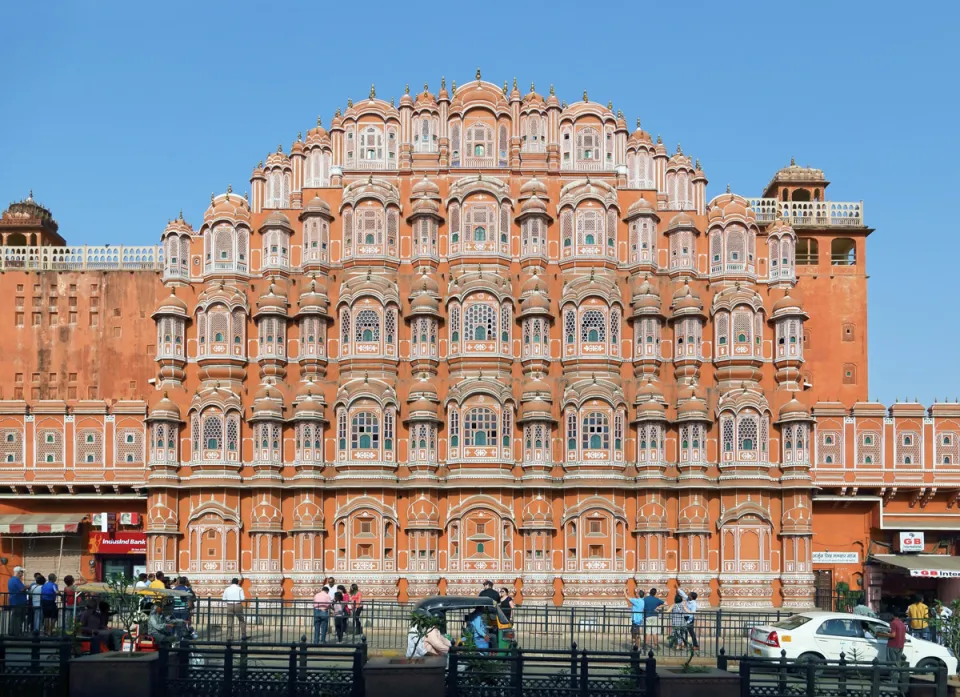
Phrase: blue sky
[118,115]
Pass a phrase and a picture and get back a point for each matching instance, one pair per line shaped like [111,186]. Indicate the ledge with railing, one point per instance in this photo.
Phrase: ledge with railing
[799,213]
[82,258]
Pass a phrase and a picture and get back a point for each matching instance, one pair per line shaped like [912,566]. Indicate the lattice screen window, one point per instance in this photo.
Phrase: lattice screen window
[367,326]
[566,228]
[615,329]
[370,225]
[742,326]
[371,145]
[589,227]
[735,247]
[829,447]
[11,446]
[480,322]
[342,429]
[505,322]
[50,446]
[480,427]
[869,450]
[723,331]
[570,327]
[454,428]
[455,142]
[618,431]
[571,431]
[213,435]
[129,445]
[726,431]
[507,426]
[239,324]
[195,435]
[347,232]
[908,448]
[365,431]
[89,446]
[454,223]
[948,448]
[479,140]
[593,327]
[747,434]
[390,327]
[596,431]
[764,436]
[588,145]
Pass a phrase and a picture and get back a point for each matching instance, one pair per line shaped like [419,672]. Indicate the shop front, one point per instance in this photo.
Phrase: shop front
[118,553]
[42,542]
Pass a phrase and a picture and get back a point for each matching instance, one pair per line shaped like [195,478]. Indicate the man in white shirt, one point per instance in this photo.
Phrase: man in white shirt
[234,599]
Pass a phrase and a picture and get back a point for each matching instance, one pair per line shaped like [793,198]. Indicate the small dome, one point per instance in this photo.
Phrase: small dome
[317,206]
[178,227]
[425,387]
[645,296]
[532,205]
[228,206]
[314,300]
[794,409]
[426,284]
[641,205]
[424,206]
[308,406]
[274,300]
[425,187]
[533,186]
[165,409]
[172,305]
[425,303]
[536,388]
[639,136]
[787,303]
[532,284]
[681,220]
[535,302]
[422,407]
[693,406]
[278,159]
[317,132]
[277,219]
[537,514]
[268,403]
[649,391]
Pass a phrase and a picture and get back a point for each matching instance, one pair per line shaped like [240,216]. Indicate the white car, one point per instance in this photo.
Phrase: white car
[815,636]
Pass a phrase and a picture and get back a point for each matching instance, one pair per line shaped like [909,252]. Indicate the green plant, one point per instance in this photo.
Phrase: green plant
[124,602]
[422,623]
[948,629]
[846,597]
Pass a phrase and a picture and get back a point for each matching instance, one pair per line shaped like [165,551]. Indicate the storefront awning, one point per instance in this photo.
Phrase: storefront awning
[32,524]
[923,565]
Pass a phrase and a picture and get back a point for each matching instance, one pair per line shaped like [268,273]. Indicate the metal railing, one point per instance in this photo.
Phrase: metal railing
[199,669]
[82,258]
[840,213]
[36,666]
[780,677]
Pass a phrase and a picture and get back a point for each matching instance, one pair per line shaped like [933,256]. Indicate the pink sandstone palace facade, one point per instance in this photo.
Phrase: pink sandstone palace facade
[481,334]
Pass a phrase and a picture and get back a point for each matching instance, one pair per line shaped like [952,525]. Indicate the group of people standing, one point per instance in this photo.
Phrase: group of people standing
[646,624]
[35,607]
[342,605]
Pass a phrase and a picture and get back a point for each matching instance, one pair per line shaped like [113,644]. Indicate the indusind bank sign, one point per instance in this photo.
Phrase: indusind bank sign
[119,543]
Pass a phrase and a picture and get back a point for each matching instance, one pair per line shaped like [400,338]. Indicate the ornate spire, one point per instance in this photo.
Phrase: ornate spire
[514,82]
[319,121]
[585,96]
[279,148]
[373,91]
[659,140]
[443,83]
[793,162]
[504,88]
[533,87]
[551,90]
[338,112]
[478,74]
[728,188]
[638,122]
[426,87]
[391,101]
[407,89]
[299,136]
[453,85]
[679,150]
[610,105]
[349,103]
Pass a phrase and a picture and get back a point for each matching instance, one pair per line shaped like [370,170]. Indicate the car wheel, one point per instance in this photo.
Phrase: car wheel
[930,664]
[805,659]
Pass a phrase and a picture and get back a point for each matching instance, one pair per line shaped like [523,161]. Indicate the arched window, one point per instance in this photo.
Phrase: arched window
[593,327]
[480,322]
[480,427]
[589,228]
[570,327]
[571,431]
[367,326]
[589,145]
[371,147]
[596,431]
[454,323]
[365,431]
[479,139]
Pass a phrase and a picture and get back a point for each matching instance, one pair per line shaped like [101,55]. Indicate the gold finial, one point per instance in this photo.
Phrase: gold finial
[793,162]
[638,122]
[279,148]
[349,104]
[514,82]
[610,105]
[728,188]
[373,91]
[533,87]
[338,113]
[551,90]
[181,214]
[319,121]
[563,105]
[698,163]
[679,151]
[391,101]
[504,88]
[426,87]
[212,197]
[299,136]
[478,74]
[659,140]
[229,189]
[443,82]
[619,114]
[260,164]
[408,89]
[453,85]
[585,96]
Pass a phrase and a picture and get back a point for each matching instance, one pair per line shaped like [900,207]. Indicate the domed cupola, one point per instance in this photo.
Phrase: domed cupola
[271,319]
[164,423]
[533,219]
[424,320]
[423,425]
[536,422]
[693,421]
[796,428]
[687,319]
[535,319]
[313,319]
[788,317]
[267,419]
[316,217]
[226,235]
[651,422]
[171,318]
[641,171]
[176,239]
[309,426]
[647,320]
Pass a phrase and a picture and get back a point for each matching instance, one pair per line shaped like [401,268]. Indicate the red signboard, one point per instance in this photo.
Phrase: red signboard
[119,543]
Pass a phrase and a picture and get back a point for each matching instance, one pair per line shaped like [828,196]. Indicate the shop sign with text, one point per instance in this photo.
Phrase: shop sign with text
[119,543]
[911,541]
[836,557]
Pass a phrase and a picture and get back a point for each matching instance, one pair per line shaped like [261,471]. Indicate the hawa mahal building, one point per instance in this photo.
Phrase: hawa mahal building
[479,334]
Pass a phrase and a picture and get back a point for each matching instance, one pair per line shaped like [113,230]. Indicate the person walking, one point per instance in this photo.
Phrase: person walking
[321,615]
[339,615]
[896,639]
[651,608]
[158,582]
[477,628]
[919,615]
[678,623]
[636,619]
[506,602]
[356,600]
[48,604]
[70,598]
[690,616]
[943,615]
[17,600]
[141,583]
[234,598]
[489,592]
[36,588]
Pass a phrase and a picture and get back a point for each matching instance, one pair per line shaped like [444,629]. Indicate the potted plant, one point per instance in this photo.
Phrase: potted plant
[111,672]
[414,675]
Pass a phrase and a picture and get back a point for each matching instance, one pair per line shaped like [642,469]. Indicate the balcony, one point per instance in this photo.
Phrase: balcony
[82,258]
[226,266]
[479,162]
[809,213]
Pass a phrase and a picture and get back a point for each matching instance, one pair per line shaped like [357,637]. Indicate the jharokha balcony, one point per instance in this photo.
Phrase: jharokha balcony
[809,213]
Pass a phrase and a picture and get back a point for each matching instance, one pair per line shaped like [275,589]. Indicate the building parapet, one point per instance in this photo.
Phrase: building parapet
[82,258]
[809,213]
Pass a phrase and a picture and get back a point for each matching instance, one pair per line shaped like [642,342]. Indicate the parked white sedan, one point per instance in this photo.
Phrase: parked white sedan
[815,636]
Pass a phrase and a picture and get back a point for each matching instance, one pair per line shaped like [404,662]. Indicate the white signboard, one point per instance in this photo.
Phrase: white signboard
[836,557]
[935,573]
[911,541]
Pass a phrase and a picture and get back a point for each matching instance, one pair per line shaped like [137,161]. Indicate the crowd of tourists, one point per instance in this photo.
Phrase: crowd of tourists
[647,623]
[344,606]
[35,607]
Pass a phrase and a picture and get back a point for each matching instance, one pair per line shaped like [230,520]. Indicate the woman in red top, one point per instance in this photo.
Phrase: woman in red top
[70,596]
[357,602]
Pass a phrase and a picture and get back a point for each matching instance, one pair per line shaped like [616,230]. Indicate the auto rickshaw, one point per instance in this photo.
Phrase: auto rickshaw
[499,628]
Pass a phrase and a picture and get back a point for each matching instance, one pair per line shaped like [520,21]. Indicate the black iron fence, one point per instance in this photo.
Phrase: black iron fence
[550,673]
[35,666]
[771,677]
[208,669]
